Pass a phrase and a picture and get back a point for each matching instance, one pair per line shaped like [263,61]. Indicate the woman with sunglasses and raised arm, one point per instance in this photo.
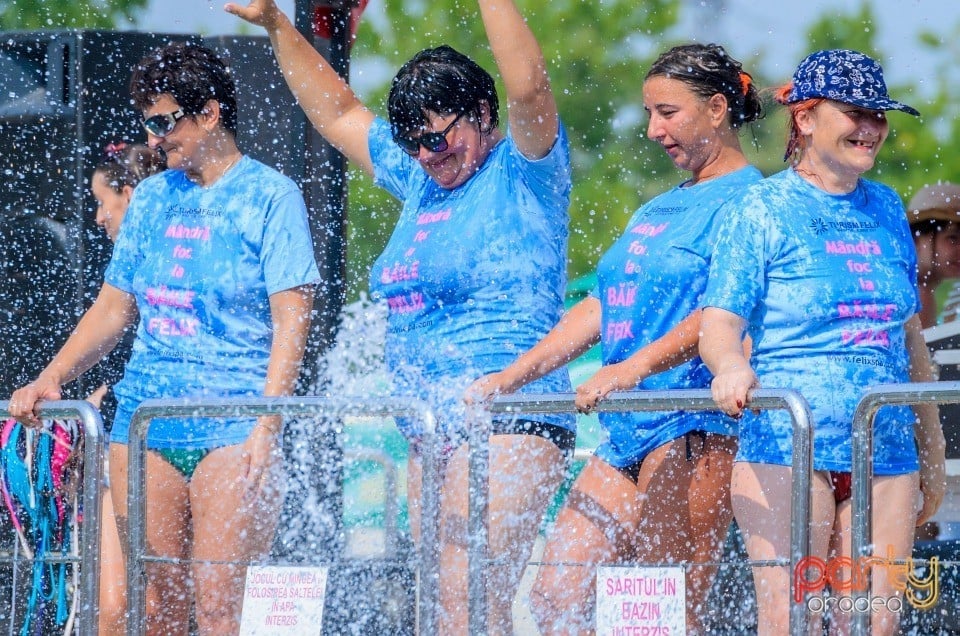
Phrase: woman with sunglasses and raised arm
[215,258]
[475,268]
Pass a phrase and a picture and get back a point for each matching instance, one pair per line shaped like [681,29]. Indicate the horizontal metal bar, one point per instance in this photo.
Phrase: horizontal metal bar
[673,400]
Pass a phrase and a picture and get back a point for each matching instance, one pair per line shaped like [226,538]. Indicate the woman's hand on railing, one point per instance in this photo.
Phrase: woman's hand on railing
[733,388]
[606,380]
[25,401]
[487,387]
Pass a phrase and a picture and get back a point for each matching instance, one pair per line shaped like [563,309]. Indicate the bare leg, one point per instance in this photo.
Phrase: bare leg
[414,493]
[168,535]
[687,511]
[525,472]
[596,525]
[113,581]
[228,526]
[761,502]
[892,539]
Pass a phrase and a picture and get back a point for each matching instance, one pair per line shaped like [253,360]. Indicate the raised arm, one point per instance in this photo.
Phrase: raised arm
[577,331]
[931,445]
[96,334]
[531,108]
[328,101]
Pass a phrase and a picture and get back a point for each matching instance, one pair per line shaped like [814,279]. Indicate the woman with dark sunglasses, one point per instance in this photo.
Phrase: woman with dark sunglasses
[215,259]
[475,268]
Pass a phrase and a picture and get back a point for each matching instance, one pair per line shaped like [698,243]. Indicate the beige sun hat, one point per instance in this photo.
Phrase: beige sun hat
[938,202]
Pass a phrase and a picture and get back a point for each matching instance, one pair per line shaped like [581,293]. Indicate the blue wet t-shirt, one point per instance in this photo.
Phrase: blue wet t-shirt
[202,264]
[826,283]
[649,280]
[473,276]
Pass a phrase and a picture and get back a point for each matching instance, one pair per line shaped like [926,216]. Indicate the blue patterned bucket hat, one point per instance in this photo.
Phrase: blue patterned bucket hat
[844,76]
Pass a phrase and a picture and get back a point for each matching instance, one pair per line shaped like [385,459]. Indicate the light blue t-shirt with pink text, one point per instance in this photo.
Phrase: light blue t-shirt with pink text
[202,263]
[649,280]
[472,276]
[826,283]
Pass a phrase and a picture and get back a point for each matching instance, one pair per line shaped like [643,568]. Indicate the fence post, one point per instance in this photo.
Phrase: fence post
[862,469]
[478,474]
[430,524]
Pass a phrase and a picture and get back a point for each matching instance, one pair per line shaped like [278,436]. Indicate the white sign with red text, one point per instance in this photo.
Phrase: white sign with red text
[641,601]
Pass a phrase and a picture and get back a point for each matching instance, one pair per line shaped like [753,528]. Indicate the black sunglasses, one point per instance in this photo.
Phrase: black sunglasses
[432,141]
[163,125]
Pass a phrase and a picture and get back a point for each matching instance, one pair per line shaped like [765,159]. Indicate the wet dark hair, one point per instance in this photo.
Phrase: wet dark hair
[707,69]
[129,164]
[192,74]
[443,81]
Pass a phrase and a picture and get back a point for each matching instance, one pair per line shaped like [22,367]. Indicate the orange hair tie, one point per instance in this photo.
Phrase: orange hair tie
[745,81]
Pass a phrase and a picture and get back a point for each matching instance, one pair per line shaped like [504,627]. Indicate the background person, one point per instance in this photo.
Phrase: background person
[817,264]
[934,216]
[658,489]
[216,259]
[112,185]
[475,269]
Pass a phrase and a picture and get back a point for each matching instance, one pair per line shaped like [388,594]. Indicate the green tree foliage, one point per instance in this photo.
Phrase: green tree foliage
[60,14]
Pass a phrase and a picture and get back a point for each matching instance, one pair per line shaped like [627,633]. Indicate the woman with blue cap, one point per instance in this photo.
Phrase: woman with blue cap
[817,265]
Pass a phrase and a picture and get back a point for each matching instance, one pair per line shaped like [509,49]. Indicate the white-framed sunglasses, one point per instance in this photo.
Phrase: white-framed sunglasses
[163,125]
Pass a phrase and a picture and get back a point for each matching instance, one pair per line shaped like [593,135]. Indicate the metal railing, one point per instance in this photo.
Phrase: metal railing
[862,468]
[689,400]
[89,558]
[287,406]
